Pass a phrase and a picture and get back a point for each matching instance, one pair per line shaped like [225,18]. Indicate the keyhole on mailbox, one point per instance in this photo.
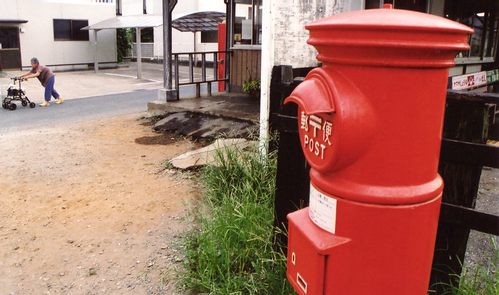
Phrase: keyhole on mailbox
[293,258]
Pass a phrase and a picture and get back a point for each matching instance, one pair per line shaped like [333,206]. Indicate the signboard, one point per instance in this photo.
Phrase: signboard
[492,76]
[322,210]
[469,81]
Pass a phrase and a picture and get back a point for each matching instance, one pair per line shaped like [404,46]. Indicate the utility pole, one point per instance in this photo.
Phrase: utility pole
[168,93]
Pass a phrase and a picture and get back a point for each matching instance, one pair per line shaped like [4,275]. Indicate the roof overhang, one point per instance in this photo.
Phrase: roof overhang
[12,21]
[187,22]
[133,21]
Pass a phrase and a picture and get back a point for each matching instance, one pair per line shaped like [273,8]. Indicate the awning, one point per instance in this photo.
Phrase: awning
[12,21]
[198,21]
[133,21]
[120,22]
[189,22]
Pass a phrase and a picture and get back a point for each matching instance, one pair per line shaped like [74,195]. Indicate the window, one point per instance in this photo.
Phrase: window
[9,38]
[209,36]
[247,24]
[483,17]
[419,5]
[118,7]
[70,30]
[146,35]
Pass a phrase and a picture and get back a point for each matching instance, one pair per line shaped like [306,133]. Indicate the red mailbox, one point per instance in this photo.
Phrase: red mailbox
[370,123]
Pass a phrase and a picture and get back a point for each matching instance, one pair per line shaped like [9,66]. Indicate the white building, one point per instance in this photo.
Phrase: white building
[50,31]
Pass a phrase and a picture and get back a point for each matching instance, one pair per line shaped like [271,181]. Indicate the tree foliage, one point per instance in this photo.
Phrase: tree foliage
[124,42]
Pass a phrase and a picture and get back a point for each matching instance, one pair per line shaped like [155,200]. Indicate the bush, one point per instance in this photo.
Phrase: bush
[251,86]
[124,42]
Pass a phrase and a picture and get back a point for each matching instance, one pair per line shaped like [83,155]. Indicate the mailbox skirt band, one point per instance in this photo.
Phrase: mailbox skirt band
[383,195]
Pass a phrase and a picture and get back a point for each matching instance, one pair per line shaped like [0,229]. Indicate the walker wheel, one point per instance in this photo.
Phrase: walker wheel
[24,103]
[32,104]
[12,106]
[5,106]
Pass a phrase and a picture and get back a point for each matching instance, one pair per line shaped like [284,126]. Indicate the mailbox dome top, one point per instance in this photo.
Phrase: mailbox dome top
[390,19]
[388,37]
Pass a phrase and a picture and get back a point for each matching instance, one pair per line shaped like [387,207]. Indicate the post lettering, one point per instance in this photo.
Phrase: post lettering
[316,145]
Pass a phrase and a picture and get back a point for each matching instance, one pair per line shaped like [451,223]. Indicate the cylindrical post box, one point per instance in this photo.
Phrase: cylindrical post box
[370,123]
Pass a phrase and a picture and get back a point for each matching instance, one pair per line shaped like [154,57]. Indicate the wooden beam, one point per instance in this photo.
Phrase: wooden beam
[469,219]
[469,153]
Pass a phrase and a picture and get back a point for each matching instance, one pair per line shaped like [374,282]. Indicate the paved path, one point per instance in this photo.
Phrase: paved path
[87,96]
[75,110]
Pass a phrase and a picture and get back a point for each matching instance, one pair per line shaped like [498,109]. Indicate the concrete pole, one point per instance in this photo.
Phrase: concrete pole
[266,73]
[139,52]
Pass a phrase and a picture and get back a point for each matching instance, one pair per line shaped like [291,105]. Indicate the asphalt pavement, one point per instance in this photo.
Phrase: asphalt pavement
[112,92]
[75,110]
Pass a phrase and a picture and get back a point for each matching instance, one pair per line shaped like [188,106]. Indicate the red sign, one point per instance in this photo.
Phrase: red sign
[316,132]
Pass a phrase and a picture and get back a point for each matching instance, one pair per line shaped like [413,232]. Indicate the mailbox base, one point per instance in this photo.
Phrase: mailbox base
[376,249]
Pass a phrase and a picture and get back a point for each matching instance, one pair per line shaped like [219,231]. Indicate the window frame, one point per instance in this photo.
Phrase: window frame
[255,7]
[73,33]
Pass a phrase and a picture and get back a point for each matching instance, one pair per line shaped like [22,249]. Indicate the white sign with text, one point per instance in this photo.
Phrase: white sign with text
[322,210]
[469,81]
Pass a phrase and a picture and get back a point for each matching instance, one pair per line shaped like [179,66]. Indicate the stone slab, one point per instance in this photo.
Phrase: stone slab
[207,155]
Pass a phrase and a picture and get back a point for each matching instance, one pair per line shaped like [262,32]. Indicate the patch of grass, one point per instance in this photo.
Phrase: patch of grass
[143,275]
[231,250]
[484,280]
[152,119]
[167,165]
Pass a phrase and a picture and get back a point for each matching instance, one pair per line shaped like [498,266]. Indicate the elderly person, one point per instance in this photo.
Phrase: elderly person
[46,77]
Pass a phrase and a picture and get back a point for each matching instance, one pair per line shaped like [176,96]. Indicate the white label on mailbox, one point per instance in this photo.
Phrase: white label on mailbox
[322,210]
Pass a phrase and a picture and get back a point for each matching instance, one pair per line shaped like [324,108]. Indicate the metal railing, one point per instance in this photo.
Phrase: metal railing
[198,75]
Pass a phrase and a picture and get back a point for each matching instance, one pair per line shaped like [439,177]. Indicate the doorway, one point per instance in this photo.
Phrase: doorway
[10,49]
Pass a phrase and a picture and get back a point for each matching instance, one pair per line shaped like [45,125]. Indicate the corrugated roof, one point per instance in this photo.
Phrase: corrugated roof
[198,21]
[133,21]
[190,22]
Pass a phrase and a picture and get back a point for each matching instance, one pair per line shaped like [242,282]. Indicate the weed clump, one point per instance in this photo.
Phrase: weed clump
[232,250]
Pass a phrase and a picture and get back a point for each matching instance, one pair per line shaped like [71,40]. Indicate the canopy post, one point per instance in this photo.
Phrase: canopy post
[96,63]
[139,52]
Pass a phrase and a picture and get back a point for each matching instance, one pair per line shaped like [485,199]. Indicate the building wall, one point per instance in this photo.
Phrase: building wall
[289,18]
[136,7]
[38,37]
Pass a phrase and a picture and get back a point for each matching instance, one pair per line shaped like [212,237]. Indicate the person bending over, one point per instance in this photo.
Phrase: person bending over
[46,77]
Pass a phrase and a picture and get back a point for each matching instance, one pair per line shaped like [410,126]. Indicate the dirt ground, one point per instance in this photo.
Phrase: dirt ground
[89,208]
